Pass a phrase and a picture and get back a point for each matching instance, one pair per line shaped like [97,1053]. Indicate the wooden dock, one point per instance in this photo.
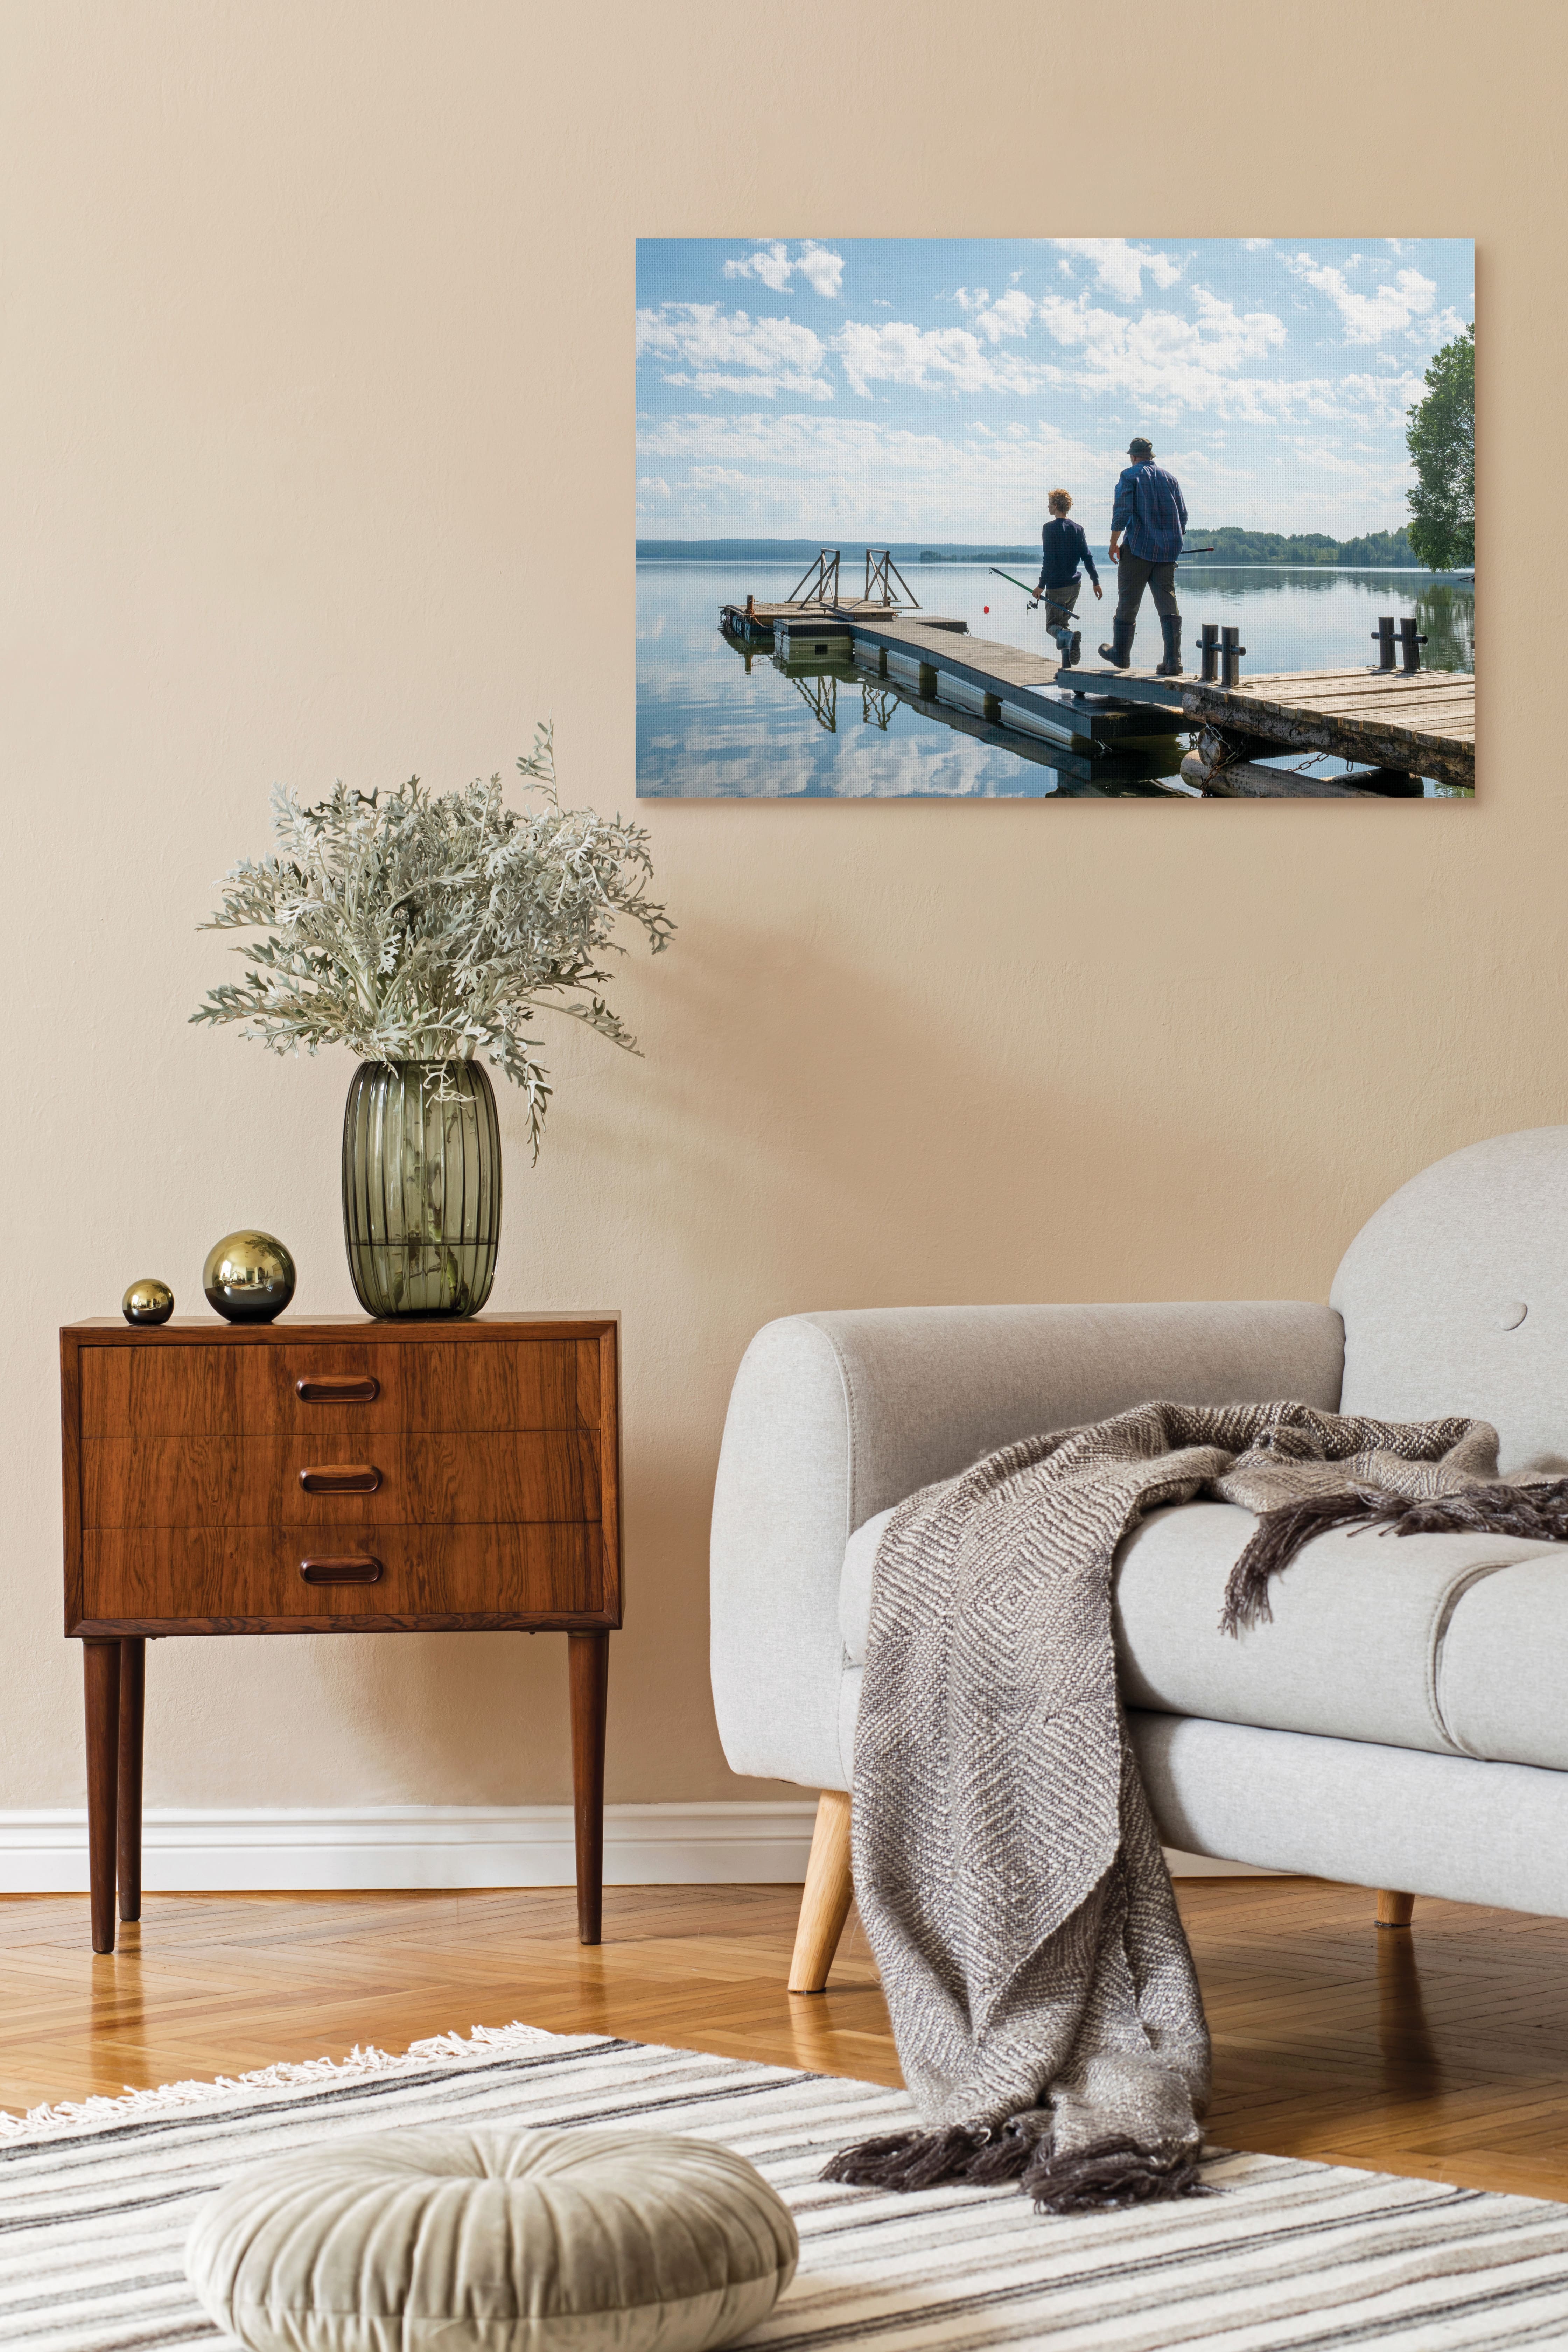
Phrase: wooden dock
[1421,723]
[1083,767]
[1392,727]
[995,675]
[754,619]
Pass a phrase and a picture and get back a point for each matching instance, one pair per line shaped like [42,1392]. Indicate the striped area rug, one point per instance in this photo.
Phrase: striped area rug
[95,2202]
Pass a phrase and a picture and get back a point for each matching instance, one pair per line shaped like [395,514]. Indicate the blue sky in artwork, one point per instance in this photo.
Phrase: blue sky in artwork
[937,388]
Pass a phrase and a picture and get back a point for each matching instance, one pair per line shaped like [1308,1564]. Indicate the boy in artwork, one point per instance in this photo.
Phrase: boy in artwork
[1064,549]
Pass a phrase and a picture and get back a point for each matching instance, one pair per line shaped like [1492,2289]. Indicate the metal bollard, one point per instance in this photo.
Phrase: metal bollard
[1208,652]
[1383,638]
[1230,655]
[1410,647]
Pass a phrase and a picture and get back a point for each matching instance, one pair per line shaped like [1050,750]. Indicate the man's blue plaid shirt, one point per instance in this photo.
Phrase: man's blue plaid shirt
[1151,512]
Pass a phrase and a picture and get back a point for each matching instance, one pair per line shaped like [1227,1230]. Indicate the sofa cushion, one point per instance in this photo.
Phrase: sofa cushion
[1360,1623]
[1358,1647]
[1504,1667]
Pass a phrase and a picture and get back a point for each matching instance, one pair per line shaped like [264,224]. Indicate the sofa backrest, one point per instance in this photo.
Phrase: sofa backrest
[1455,1297]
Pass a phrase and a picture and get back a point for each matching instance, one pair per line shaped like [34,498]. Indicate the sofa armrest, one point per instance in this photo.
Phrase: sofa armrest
[835,1416]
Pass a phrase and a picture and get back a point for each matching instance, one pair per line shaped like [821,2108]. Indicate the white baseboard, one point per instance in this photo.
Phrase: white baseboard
[219,1850]
[227,1850]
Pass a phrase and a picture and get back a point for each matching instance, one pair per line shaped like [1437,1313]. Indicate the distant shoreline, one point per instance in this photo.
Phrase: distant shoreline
[803,552]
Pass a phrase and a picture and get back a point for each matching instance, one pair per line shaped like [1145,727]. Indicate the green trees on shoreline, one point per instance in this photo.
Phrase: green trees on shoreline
[1441,438]
[1233,546]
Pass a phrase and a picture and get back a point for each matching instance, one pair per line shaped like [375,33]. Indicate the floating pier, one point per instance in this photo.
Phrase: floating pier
[982,675]
[804,620]
[1402,723]
[1394,726]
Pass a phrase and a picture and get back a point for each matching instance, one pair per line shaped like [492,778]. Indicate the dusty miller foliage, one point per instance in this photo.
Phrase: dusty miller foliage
[424,926]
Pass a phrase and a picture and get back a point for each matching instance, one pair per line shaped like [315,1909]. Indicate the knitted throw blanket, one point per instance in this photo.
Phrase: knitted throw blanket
[1006,1864]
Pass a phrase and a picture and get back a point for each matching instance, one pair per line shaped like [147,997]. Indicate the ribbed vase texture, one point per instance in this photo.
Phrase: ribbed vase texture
[421,1186]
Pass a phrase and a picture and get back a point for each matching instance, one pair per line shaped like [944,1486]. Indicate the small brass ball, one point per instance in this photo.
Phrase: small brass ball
[249,1277]
[148,1301]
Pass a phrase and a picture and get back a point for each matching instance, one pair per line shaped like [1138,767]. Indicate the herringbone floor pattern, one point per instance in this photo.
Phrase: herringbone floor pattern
[1442,2052]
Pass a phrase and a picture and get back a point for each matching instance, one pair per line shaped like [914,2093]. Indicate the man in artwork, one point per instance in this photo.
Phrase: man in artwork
[1063,548]
[1148,523]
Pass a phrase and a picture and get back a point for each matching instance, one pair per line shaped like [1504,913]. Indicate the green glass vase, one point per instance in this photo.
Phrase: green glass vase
[421,1188]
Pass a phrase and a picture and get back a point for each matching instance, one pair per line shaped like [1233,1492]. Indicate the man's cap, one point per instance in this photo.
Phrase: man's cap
[1139,447]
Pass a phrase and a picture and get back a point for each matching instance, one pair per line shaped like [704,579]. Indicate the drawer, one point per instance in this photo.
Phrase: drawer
[523,1475]
[339,1388]
[226,1572]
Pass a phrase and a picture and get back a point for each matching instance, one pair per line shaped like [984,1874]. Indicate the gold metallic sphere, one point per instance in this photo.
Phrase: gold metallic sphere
[148,1301]
[249,1277]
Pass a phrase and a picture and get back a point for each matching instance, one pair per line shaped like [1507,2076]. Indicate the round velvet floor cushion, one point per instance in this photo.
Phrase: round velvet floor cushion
[511,2241]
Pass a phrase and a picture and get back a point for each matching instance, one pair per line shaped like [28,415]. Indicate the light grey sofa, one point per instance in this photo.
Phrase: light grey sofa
[1402,1724]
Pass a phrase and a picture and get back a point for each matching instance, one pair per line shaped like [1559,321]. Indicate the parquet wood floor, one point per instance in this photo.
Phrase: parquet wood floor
[1442,2052]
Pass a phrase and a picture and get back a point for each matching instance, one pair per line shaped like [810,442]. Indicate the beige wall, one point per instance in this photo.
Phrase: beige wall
[316,460]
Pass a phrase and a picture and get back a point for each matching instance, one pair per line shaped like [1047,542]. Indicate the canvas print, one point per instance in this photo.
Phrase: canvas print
[1056,516]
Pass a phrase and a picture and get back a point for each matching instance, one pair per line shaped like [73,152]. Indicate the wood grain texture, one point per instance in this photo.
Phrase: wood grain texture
[163,1574]
[128,1790]
[824,1898]
[100,1690]
[205,1389]
[345,1476]
[511,1475]
[607,1385]
[589,1672]
[1442,2052]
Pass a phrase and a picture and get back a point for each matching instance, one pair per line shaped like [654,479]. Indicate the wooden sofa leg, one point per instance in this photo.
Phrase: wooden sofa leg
[1394,1910]
[824,1898]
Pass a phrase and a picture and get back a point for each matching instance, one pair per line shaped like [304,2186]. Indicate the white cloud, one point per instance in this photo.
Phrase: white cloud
[1166,362]
[1009,315]
[857,473]
[1119,265]
[714,351]
[1367,318]
[1257,244]
[942,359]
[717,477]
[822,270]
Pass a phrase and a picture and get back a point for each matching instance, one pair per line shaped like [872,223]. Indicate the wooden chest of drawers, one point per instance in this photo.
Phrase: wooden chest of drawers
[336,1476]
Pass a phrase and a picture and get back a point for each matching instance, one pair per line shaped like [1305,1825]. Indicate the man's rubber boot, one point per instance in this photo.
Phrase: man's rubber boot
[1171,665]
[1076,653]
[1119,652]
[1066,646]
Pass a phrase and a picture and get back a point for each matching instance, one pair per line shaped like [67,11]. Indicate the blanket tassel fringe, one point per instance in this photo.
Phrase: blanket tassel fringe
[1538,1511]
[1109,2177]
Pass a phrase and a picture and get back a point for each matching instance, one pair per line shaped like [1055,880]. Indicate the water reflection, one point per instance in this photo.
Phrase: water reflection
[1446,615]
[721,717]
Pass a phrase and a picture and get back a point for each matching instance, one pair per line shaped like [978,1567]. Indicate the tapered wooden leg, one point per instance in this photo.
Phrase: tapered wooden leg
[128,1810]
[100,1672]
[824,1898]
[589,1657]
[1394,1910]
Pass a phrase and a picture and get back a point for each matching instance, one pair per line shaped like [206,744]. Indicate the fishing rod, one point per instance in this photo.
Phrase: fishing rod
[1033,599]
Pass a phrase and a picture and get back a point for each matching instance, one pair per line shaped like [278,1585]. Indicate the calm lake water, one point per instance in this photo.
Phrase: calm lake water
[716,724]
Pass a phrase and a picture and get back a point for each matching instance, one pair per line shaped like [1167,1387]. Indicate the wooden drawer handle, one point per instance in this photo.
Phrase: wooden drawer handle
[355,1388]
[340,1478]
[341,1571]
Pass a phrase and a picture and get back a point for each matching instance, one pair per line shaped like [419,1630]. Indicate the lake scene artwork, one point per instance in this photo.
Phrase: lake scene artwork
[1056,517]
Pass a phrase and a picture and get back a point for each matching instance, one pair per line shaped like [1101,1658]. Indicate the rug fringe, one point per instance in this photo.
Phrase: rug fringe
[363,2060]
